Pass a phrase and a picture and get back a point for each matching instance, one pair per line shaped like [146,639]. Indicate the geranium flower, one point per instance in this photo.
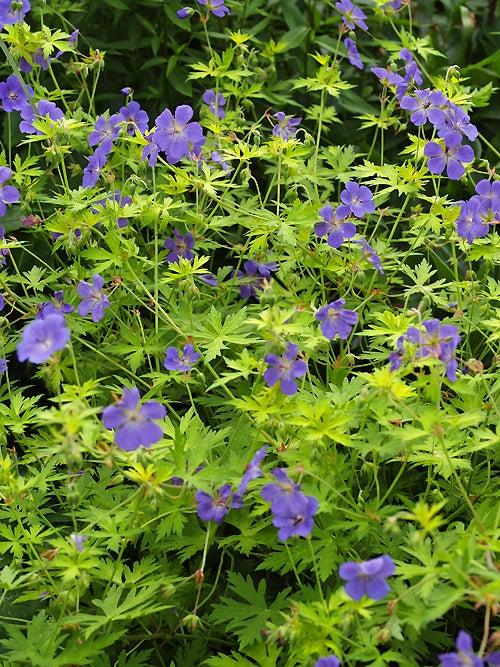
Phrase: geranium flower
[175,362]
[44,108]
[351,16]
[464,656]
[175,135]
[336,320]
[334,226]
[285,369]
[133,422]
[42,337]
[94,301]
[12,94]
[8,193]
[367,578]
[215,509]
[286,126]
[451,158]
[217,7]
[358,198]
[215,104]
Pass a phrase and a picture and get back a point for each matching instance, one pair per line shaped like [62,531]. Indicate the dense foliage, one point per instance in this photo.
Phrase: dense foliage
[249,316]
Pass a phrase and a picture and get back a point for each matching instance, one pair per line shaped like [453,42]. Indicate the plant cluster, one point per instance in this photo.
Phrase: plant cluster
[249,349]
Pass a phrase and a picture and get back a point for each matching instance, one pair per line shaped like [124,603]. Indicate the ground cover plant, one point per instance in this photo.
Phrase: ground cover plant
[249,316]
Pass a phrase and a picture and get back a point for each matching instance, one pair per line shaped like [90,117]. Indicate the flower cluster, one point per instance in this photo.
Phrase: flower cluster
[451,123]
[367,578]
[437,341]
[292,511]
[285,369]
[133,423]
[480,211]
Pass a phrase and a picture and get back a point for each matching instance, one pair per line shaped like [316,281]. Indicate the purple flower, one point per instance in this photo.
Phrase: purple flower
[358,198]
[134,422]
[180,246]
[450,158]
[2,303]
[126,91]
[438,341]
[216,7]
[151,150]
[285,370]
[175,135]
[471,222]
[351,16]
[72,40]
[425,106]
[253,470]
[57,306]
[254,277]
[456,124]
[332,225]
[94,301]
[96,164]
[185,12]
[132,117]
[12,94]
[215,103]
[336,320]
[3,251]
[367,252]
[489,195]
[464,657]
[13,12]
[44,108]
[3,365]
[353,53]
[102,130]
[215,509]
[78,540]
[42,337]
[367,578]
[286,127]
[328,661]
[175,362]
[8,193]
[388,78]
[292,511]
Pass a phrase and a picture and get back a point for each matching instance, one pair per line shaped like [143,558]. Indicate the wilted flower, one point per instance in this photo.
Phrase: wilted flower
[367,578]
[353,53]
[133,422]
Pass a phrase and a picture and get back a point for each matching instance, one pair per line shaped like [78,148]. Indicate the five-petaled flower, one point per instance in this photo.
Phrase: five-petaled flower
[333,224]
[286,127]
[357,198]
[96,164]
[133,423]
[336,320]
[94,301]
[464,656]
[175,362]
[13,95]
[44,109]
[367,578]
[175,135]
[179,246]
[215,509]
[42,337]
[285,369]
[451,158]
